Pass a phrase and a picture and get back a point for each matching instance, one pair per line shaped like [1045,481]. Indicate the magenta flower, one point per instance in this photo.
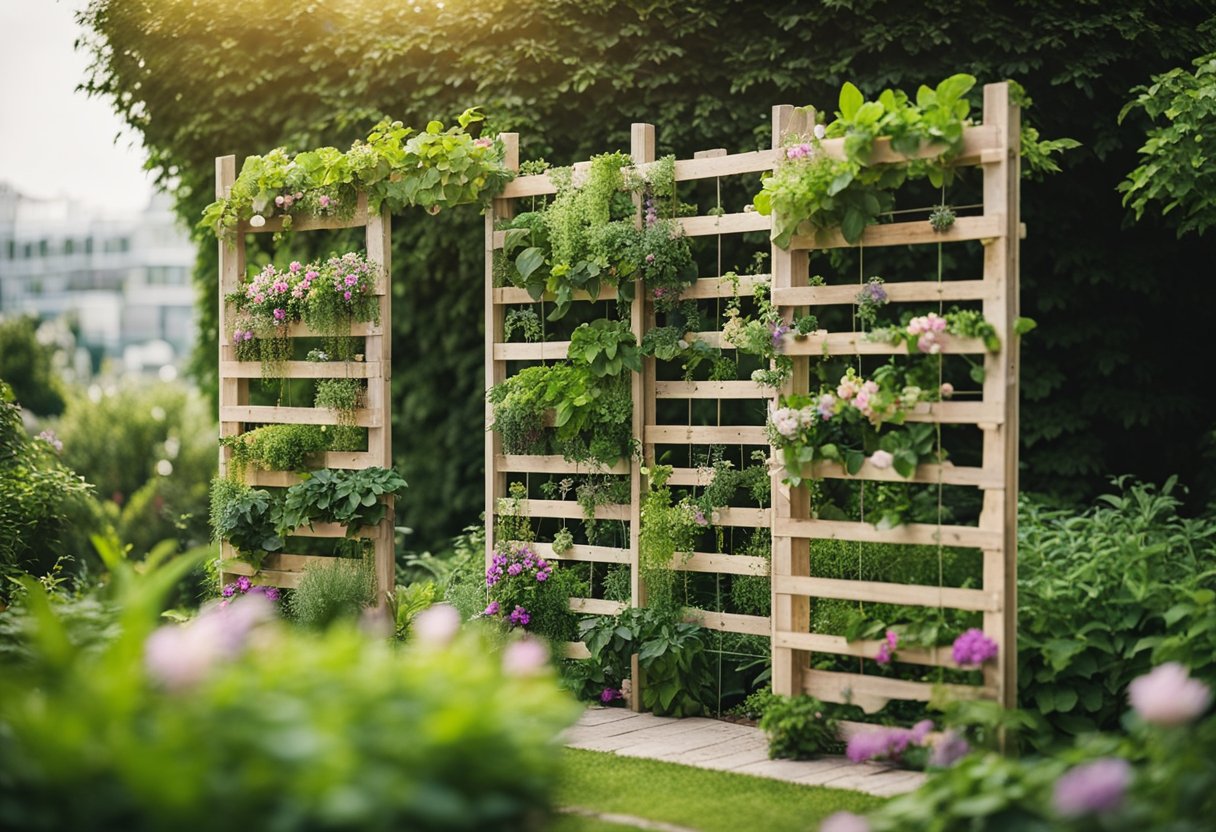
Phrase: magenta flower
[280,314]
[1092,788]
[295,267]
[973,648]
[542,576]
[352,279]
[323,201]
[492,609]
[948,749]
[779,330]
[514,569]
[886,650]
[608,694]
[346,295]
[1167,696]
[520,616]
[228,591]
[243,584]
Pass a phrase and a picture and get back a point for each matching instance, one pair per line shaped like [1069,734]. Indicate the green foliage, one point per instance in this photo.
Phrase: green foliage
[360,750]
[605,348]
[45,508]
[1099,591]
[798,728]
[277,447]
[466,585]
[407,602]
[526,321]
[341,395]
[1177,170]
[191,89]
[672,654]
[668,529]
[338,590]
[246,518]
[26,365]
[350,498]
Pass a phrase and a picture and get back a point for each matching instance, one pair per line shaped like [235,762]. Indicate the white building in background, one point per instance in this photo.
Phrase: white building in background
[122,282]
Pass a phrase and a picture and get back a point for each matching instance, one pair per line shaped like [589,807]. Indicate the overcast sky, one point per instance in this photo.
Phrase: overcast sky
[54,140]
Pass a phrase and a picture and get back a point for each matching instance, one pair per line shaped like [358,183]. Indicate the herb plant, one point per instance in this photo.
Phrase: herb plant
[348,498]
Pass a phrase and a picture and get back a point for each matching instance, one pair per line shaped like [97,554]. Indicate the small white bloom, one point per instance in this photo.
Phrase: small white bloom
[820,131]
[257,221]
[881,459]
[682,344]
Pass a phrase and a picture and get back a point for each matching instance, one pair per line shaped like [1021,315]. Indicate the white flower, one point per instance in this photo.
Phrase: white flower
[881,459]
[437,625]
[820,131]
[682,344]
[257,220]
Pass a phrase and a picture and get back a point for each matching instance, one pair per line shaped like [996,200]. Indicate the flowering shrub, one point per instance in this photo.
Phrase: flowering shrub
[526,592]
[231,716]
[242,586]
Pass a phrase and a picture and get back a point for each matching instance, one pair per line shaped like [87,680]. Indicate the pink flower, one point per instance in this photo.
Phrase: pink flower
[346,295]
[352,279]
[973,648]
[1092,788]
[295,266]
[1167,696]
[947,749]
[179,656]
[323,201]
[492,609]
[844,822]
[886,650]
[882,459]
[947,390]
[525,657]
[483,142]
[278,200]
[436,626]
[280,314]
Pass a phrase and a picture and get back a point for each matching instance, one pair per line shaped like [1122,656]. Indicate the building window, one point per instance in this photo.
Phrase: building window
[69,246]
[88,245]
[10,249]
[44,247]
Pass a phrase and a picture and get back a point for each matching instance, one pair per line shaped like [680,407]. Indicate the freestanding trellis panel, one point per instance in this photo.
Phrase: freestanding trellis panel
[995,146]
[236,414]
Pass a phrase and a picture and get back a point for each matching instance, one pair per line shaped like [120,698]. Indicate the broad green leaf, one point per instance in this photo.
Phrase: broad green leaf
[851,100]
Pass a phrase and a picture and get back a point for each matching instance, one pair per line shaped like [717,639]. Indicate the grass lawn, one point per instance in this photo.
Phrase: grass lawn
[696,798]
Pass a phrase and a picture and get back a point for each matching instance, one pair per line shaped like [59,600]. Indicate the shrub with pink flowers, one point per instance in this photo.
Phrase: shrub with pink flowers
[528,592]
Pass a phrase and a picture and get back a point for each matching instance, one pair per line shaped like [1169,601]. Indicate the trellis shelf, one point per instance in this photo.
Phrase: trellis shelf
[237,415]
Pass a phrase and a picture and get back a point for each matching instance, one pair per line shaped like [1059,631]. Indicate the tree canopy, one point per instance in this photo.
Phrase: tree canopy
[1106,385]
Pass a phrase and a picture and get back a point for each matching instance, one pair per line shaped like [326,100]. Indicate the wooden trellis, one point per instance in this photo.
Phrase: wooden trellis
[993,145]
[236,414]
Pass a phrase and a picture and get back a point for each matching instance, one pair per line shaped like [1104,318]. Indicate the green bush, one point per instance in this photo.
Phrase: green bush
[799,728]
[334,591]
[1099,591]
[25,364]
[288,730]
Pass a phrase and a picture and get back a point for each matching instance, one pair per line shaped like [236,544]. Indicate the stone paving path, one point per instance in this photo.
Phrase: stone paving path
[709,743]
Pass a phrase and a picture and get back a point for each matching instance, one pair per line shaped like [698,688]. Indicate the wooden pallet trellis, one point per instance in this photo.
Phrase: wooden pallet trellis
[236,413]
[995,146]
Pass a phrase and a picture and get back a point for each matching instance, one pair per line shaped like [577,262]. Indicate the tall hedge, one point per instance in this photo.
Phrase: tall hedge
[1108,377]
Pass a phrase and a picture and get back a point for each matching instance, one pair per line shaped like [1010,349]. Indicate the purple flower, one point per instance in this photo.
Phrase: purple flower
[875,292]
[608,694]
[271,593]
[542,576]
[243,584]
[779,330]
[492,609]
[49,437]
[280,314]
[514,569]
[294,267]
[886,650]
[844,822]
[1091,788]
[948,749]
[228,591]
[1167,696]
[323,201]
[973,648]
[520,616]
[352,279]
[649,258]
[886,742]
[346,295]
[249,335]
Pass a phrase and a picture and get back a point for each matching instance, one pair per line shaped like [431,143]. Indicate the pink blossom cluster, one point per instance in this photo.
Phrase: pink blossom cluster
[787,421]
[799,151]
[861,394]
[886,650]
[285,201]
[886,743]
[928,330]
[180,656]
[244,586]
[1168,697]
[352,275]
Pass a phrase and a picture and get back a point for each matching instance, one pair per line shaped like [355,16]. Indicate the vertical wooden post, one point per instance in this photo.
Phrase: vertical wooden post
[791,556]
[379,348]
[642,149]
[232,391]
[496,370]
[1001,196]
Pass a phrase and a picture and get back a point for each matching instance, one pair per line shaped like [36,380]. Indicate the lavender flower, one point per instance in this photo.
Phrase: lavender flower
[493,609]
[1093,787]
[779,331]
[973,648]
[844,822]
[49,437]
[520,617]
[886,650]
[947,749]
[608,694]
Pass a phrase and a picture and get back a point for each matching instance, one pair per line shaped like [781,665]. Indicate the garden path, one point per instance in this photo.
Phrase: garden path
[725,746]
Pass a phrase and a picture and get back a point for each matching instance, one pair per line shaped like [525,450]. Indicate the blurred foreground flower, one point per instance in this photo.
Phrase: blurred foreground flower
[1167,696]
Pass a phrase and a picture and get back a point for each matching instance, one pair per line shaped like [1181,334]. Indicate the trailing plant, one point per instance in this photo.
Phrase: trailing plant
[339,292]
[676,343]
[798,728]
[526,321]
[672,654]
[351,498]
[339,589]
[762,334]
[850,193]
[276,447]
[341,395]
[434,169]
[668,530]
[245,517]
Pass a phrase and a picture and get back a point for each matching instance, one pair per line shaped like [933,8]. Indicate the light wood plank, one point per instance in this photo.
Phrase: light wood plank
[724,224]
[714,562]
[752,518]
[582,554]
[572,510]
[711,390]
[718,287]
[864,649]
[575,650]
[310,222]
[515,295]
[552,464]
[303,369]
[871,693]
[907,234]
[264,415]
[545,351]
[946,474]
[705,435]
[597,606]
[876,592]
[855,343]
[726,622]
[923,534]
[358,329]
[907,292]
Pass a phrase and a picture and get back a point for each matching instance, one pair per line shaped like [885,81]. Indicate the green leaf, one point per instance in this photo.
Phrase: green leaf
[851,100]
[529,260]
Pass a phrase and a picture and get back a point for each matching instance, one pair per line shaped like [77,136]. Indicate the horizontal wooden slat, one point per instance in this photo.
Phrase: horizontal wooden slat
[946,474]
[582,554]
[278,569]
[572,510]
[711,390]
[726,622]
[713,562]
[261,414]
[909,292]
[358,329]
[717,287]
[334,459]
[865,649]
[552,464]
[734,164]
[311,222]
[872,692]
[704,435]
[544,351]
[331,530]
[513,294]
[923,534]
[855,343]
[597,606]
[876,592]
[977,140]
[753,518]
[575,650]
[907,234]
[724,224]
[956,413]
[302,369]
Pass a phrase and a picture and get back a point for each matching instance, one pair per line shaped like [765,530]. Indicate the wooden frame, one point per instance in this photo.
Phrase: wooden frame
[236,413]
[994,145]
